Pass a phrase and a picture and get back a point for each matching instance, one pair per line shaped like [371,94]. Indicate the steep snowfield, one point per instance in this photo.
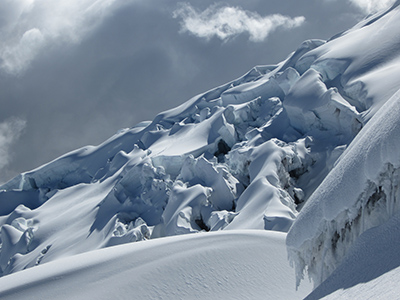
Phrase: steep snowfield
[315,134]
[363,62]
[222,265]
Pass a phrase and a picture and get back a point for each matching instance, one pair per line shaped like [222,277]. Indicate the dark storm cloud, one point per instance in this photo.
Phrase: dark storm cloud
[76,78]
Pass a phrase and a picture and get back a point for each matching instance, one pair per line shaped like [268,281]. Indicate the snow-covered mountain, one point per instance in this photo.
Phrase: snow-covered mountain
[309,145]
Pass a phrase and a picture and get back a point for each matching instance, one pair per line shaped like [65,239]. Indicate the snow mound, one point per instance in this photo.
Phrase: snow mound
[233,265]
[362,63]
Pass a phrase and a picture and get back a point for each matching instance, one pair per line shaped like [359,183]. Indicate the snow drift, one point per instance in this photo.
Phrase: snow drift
[229,264]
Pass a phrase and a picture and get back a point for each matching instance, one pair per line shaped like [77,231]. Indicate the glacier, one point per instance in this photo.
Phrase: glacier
[240,156]
[306,147]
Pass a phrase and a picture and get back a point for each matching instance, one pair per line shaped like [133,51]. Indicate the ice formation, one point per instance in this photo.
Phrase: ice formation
[360,193]
[249,154]
[362,190]
[230,158]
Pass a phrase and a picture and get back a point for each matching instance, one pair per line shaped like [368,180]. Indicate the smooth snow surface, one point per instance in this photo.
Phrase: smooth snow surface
[223,265]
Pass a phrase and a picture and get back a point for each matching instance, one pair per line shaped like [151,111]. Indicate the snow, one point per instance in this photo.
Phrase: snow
[371,269]
[308,146]
[227,264]
[316,110]
[361,192]
[226,159]
[365,58]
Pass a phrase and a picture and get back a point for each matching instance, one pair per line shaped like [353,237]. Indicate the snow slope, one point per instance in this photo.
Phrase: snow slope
[222,265]
[361,192]
[307,145]
[231,158]
[371,269]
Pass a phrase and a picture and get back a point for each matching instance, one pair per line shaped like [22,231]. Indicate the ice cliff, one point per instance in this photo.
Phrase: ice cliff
[249,154]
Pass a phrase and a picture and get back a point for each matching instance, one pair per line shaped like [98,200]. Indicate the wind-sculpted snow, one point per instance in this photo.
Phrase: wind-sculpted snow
[322,110]
[245,155]
[363,63]
[218,265]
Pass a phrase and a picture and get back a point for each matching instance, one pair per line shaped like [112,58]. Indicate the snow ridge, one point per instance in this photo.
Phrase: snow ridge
[361,192]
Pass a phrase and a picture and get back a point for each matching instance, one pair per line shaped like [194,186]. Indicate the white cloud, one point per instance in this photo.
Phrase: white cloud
[225,22]
[16,57]
[10,131]
[372,6]
[28,26]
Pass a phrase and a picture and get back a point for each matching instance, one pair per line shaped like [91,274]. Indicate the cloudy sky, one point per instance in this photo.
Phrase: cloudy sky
[73,72]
